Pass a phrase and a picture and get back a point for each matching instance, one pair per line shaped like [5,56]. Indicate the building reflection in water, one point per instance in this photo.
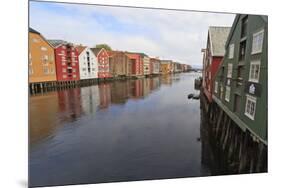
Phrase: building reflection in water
[120,92]
[45,107]
[90,99]
[105,95]
[166,79]
[68,105]
[136,90]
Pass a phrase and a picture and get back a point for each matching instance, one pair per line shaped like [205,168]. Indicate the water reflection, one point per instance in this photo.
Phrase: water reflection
[118,131]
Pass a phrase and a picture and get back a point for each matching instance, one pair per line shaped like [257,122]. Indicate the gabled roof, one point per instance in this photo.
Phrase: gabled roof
[139,53]
[80,49]
[237,17]
[218,37]
[96,50]
[57,43]
[33,31]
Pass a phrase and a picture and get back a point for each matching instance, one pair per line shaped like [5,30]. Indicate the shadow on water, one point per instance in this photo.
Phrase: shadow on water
[118,131]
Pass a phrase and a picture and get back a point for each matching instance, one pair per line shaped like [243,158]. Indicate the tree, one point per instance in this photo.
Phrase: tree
[105,46]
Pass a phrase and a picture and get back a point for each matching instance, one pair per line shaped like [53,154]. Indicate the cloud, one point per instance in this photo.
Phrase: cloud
[176,35]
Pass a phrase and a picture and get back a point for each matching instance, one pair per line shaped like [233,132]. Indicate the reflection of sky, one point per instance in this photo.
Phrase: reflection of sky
[154,137]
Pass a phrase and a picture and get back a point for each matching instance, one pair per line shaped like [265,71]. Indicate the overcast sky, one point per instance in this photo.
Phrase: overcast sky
[168,34]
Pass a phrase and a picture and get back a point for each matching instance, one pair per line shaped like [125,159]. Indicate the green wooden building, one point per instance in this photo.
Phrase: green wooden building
[240,86]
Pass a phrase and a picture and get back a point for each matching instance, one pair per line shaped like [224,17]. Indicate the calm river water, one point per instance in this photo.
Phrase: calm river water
[119,131]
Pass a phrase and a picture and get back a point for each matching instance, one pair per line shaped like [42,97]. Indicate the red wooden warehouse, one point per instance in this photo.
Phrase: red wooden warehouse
[103,62]
[66,56]
[136,64]
[213,55]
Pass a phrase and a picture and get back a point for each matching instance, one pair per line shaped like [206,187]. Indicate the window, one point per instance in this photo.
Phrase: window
[257,42]
[221,93]
[64,76]
[35,40]
[74,70]
[74,76]
[250,108]
[216,87]
[237,103]
[231,51]
[52,70]
[43,48]
[51,58]
[242,50]
[227,93]
[64,70]
[229,71]
[254,71]
[45,70]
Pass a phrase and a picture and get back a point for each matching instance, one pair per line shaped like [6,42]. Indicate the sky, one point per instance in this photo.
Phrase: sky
[167,34]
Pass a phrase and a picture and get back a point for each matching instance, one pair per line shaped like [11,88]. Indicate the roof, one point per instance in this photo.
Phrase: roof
[96,50]
[139,53]
[237,17]
[33,31]
[218,37]
[56,43]
[80,49]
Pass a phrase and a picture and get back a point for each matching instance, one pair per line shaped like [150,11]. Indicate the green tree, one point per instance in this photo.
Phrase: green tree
[105,46]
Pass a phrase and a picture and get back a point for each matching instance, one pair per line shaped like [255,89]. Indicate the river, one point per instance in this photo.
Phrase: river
[119,131]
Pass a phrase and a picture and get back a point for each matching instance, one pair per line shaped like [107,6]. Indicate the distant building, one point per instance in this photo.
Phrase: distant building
[240,86]
[119,64]
[136,64]
[41,65]
[146,64]
[154,66]
[213,55]
[166,66]
[88,65]
[103,62]
[177,67]
[66,56]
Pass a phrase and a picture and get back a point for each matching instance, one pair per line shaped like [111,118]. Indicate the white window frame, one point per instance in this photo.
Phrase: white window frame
[227,93]
[257,49]
[251,99]
[216,86]
[43,48]
[231,51]
[251,78]
[229,70]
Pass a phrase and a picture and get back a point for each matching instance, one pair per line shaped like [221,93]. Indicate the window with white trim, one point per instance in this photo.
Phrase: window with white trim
[257,42]
[231,51]
[43,48]
[254,71]
[216,87]
[229,70]
[227,93]
[250,108]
